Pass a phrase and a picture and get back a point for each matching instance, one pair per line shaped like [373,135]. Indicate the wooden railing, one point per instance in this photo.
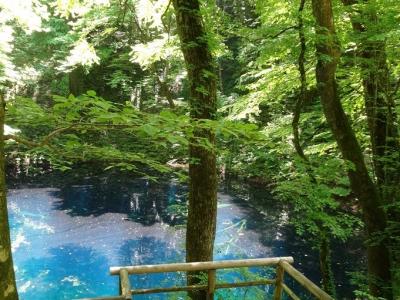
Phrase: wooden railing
[283,266]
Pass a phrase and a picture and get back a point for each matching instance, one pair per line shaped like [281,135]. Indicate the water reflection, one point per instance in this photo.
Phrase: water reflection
[144,201]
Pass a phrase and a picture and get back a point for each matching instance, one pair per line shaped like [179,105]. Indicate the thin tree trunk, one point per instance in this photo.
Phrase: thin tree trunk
[328,281]
[76,81]
[303,84]
[202,168]
[325,263]
[360,181]
[166,92]
[8,287]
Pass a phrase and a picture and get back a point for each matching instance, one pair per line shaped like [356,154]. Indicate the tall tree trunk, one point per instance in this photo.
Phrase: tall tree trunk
[202,168]
[8,287]
[323,238]
[380,110]
[303,84]
[360,181]
[379,104]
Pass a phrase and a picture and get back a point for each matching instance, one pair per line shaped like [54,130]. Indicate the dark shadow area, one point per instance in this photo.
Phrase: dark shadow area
[283,240]
[142,200]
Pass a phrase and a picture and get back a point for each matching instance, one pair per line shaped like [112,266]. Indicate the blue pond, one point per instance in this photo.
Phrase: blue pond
[67,234]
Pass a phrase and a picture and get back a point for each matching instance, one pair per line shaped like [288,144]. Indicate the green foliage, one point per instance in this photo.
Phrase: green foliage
[89,128]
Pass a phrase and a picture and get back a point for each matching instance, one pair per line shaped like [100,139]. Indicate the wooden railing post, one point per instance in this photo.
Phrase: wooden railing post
[119,285]
[280,272]
[211,284]
[125,285]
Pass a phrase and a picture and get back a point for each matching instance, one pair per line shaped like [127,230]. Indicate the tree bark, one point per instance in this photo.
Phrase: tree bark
[325,263]
[323,238]
[202,166]
[360,181]
[8,287]
[76,81]
[380,111]
[303,84]
[379,105]
[166,92]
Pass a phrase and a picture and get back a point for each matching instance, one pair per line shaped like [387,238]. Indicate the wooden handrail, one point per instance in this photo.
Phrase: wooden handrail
[283,265]
[305,282]
[105,298]
[203,287]
[201,266]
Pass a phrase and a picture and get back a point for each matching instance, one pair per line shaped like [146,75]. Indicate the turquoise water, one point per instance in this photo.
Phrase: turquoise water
[67,235]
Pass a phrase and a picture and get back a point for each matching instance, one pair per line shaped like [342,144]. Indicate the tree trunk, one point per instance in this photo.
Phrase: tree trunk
[325,263]
[166,92]
[303,85]
[323,239]
[76,81]
[380,110]
[8,287]
[360,181]
[379,104]
[202,166]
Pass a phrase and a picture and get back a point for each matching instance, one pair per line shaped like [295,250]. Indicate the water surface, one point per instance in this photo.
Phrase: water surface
[67,235]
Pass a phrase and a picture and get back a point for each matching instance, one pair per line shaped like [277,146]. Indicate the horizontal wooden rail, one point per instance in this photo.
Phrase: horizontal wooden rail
[200,287]
[305,282]
[201,266]
[105,298]
[203,287]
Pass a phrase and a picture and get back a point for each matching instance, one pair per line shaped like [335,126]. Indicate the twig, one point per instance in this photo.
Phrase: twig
[283,31]
[44,142]
[167,28]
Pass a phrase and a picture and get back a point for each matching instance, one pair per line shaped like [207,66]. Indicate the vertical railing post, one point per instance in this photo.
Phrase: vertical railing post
[211,284]
[125,285]
[119,285]
[280,272]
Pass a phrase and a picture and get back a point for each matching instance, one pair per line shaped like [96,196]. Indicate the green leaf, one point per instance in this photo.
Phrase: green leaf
[91,93]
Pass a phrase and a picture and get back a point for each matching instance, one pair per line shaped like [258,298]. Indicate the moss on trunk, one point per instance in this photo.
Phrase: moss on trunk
[202,168]
[360,181]
[8,288]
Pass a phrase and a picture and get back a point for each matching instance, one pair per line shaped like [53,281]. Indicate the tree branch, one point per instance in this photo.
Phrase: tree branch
[77,126]
[284,30]
[44,142]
